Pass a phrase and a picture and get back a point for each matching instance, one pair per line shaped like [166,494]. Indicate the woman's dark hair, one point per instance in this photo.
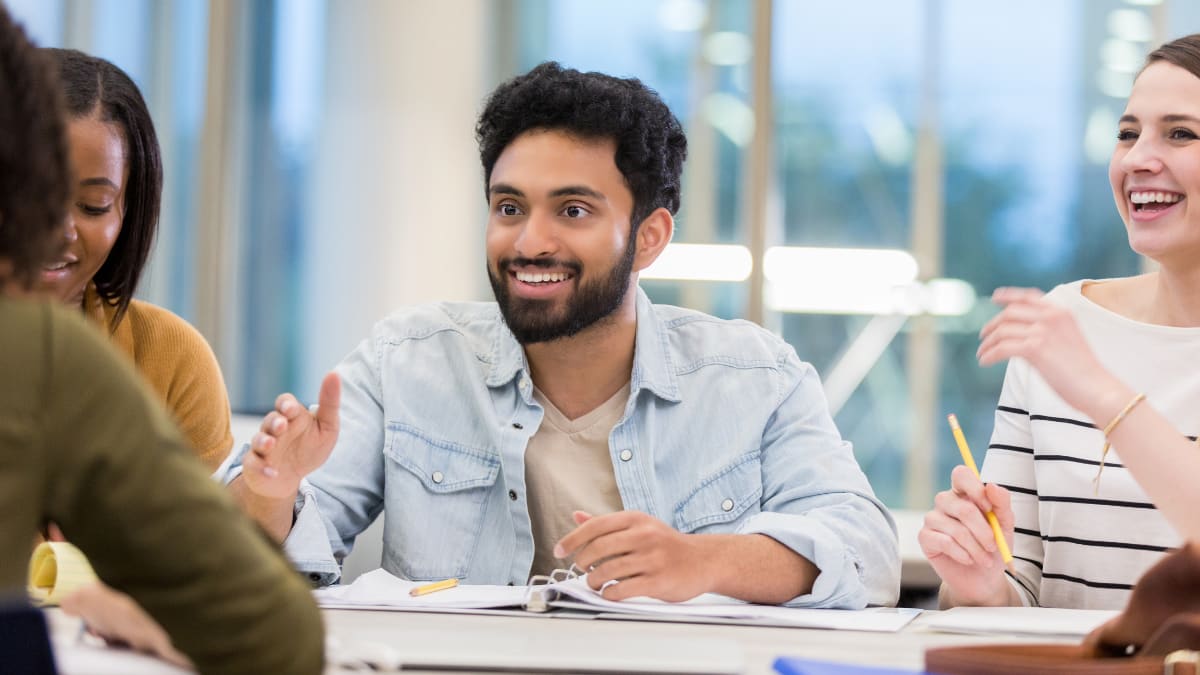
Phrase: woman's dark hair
[1183,52]
[93,86]
[35,166]
[651,146]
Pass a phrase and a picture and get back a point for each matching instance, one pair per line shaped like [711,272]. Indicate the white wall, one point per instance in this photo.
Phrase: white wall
[396,191]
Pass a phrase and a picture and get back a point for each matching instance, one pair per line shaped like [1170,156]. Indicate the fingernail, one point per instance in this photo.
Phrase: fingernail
[559,552]
[270,472]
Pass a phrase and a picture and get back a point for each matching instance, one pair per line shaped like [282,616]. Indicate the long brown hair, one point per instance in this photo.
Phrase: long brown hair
[1183,52]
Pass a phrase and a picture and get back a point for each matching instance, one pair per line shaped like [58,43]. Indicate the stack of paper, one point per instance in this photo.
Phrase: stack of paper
[1048,621]
[576,594]
[380,590]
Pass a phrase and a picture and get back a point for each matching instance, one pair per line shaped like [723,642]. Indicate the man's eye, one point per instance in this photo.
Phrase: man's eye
[575,211]
[509,210]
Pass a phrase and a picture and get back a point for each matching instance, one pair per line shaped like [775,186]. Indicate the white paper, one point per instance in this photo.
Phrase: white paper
[712,606]
[380,589]
[1018,620]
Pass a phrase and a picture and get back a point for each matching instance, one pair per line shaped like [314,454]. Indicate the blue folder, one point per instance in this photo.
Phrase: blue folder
[785,665]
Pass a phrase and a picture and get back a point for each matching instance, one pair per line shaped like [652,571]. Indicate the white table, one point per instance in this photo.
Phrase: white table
[759,645]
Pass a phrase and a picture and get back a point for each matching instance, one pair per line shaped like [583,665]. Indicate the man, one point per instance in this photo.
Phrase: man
[84,444]
[667,452]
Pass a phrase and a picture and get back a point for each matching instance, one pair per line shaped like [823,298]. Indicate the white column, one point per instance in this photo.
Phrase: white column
[924,342]
[396,192]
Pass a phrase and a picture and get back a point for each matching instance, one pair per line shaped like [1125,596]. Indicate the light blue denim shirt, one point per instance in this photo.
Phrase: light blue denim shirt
[725,431]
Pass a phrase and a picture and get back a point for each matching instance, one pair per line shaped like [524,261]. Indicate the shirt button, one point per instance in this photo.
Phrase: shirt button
[512,494]
[438,476]
[626,455]
[727,505]
[524,382]
[518,425]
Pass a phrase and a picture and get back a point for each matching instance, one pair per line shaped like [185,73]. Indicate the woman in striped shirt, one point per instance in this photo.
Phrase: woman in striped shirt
[1099,362]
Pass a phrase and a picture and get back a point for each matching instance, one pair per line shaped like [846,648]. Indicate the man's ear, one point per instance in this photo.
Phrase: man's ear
[653,235]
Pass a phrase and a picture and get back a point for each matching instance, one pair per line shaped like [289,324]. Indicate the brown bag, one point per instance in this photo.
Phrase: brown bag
[1157,632]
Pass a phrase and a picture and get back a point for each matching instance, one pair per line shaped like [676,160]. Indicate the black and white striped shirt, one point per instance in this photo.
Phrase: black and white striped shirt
[1079,543]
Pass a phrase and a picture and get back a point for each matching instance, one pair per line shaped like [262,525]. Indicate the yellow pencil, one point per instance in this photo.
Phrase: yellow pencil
[1001,543]
[434,587]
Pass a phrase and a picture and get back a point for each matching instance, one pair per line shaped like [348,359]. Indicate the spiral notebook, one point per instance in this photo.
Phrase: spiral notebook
[567,590]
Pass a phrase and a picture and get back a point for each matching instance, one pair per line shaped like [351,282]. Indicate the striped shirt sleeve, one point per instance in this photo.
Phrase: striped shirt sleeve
[1009,464]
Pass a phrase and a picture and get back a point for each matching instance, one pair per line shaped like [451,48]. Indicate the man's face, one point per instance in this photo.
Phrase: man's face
[559,254]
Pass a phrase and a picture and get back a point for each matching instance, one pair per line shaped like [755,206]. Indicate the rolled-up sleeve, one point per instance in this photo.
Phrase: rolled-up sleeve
[308,545]
[818,502]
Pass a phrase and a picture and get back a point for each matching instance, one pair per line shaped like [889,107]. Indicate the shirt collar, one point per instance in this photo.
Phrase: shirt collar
[653,369]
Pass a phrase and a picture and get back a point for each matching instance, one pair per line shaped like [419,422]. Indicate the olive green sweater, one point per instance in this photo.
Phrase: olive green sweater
[85,444]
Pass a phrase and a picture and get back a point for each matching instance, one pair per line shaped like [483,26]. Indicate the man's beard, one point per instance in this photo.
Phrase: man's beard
[532,321]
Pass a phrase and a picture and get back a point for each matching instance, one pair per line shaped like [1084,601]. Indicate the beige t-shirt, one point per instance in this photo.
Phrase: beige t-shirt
[567,469]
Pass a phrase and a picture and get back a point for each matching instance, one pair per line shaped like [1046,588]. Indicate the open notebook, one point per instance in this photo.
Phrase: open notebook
[56,569]
[380,590]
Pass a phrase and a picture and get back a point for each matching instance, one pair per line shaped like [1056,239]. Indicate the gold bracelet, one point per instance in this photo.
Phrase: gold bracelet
[1108,428]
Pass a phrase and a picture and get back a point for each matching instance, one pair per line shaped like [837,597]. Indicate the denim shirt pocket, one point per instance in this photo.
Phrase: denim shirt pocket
[436,501]
[723,497]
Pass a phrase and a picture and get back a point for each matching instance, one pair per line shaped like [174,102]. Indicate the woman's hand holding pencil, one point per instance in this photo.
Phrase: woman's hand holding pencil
[961,544]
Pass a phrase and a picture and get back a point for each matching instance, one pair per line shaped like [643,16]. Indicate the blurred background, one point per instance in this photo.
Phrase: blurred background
[862,173]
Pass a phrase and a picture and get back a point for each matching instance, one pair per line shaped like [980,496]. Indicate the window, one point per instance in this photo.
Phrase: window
[1008,188]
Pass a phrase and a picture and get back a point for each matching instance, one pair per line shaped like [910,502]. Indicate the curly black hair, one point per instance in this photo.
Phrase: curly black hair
[35,165]
[93,86]
[651,146]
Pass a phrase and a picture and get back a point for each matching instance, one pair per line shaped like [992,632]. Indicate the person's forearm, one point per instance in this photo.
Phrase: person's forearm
[756,568]
[1156,455]
[275,516]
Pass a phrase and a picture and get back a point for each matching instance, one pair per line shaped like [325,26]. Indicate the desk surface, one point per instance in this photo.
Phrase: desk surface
[759,645]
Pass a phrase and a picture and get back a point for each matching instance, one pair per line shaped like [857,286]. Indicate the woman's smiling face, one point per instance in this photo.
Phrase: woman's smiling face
[98,156]
[1155,167]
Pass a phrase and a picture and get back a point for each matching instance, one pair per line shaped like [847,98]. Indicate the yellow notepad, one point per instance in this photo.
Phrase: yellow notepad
[57,569]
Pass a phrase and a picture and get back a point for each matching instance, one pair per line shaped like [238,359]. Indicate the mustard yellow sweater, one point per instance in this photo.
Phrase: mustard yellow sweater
[179,366]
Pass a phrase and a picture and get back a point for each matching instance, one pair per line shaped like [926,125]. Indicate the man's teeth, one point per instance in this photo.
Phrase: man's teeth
[540,277]
[1152,197]
[56,266]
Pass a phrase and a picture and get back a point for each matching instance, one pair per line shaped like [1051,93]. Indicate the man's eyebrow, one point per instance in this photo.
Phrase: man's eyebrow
[505,189]
[579,191]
